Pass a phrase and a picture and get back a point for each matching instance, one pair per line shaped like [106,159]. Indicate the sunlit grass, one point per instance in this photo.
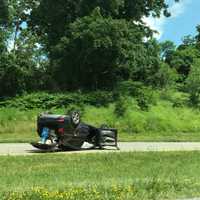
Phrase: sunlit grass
[148,175]
[162,122]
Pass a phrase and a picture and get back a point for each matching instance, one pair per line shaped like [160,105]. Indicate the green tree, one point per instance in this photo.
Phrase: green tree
[182,59]
[167,48]
[51,18]
[81,46]
[12,77]
[3,12]
[3,22]
[188,40]
[193,83]
[22,59]
[97,52]
[198,33]
[145,62]
[166,76]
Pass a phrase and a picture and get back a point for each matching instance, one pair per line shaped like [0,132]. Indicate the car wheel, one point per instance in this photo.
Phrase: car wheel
[75,117]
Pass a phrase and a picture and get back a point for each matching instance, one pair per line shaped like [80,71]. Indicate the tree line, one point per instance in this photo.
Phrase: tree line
[90,45]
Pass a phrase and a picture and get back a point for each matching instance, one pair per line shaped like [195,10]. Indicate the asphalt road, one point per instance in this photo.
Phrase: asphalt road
[27,149]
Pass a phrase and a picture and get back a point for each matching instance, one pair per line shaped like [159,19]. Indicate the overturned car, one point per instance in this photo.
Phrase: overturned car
[67,132]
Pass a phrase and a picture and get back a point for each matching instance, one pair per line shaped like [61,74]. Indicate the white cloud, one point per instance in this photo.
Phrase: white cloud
[158,24]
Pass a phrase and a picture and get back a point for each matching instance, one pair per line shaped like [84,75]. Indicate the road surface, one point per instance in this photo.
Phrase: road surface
[27,149]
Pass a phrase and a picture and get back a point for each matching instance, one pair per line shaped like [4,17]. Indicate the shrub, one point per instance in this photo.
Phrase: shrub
[145,98]
[144,95]
[48,101]
[74,107]
[193,84]
[120,107]
[98,98]
[130,88]
[165,76]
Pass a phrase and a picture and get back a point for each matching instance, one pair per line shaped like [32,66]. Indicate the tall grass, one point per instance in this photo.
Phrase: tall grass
[17,125]
[160,118]
[162,121]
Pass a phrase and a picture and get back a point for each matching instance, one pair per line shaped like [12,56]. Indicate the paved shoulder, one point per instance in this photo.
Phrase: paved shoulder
[160,146]
[27,149]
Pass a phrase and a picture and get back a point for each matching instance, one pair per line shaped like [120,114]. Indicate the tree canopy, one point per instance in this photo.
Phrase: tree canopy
[88,45]
[105,37]
[3,11]
[52,18]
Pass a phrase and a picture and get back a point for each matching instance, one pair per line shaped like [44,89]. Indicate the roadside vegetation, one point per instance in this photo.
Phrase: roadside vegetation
[167,115]
[104,176]
[97,61]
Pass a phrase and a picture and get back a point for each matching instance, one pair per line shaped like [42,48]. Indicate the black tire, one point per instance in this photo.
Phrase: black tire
[75,118]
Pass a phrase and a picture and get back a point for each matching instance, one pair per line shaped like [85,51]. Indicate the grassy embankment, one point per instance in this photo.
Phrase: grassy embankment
[163,121]
[102,176]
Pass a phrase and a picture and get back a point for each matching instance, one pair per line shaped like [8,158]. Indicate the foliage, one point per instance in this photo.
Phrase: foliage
[93,37]
[88,45]
[155,120]
[98,39]
[12,77]
[50,18]
[166,49]
[129,88]
[143,101]
[3,12]
[22,63]
[193,83]
[143,95]
[145,62]
[56,100]
[120,107]
[182,59]
[166,76]
[18,74]
[18,124]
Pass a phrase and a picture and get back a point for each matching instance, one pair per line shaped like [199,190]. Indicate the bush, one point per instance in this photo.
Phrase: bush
[74,107]
[130,88]
[193,84]
[166,76]
[98,98]
[144,95]
[47,101]
[120,107]
[145,98]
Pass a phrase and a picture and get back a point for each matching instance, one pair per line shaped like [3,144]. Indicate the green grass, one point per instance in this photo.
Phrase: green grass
[152,175]
[161,137]
[17,126]
[163,121]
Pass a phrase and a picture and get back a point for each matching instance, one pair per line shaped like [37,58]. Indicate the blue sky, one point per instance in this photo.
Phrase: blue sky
[185,17]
